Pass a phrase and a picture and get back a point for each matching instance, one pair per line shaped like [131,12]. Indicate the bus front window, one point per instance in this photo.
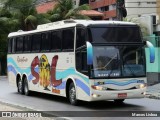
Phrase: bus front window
[133,61]
[106,61]
[118,61]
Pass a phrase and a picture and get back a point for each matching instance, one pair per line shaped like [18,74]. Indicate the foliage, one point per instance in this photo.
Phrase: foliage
[64,9]
[143,27]
[22,15]
[17,15]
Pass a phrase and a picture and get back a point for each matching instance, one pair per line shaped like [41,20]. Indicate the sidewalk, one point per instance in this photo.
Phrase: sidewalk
[8,107]
[153,91]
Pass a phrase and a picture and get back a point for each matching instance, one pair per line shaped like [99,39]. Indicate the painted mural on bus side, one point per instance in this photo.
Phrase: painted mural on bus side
[47,73]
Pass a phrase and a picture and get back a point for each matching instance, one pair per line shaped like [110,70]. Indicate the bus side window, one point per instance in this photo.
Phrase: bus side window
[19,44]
[27,43]
[13,45]
[78,61]
[68,39]
[45,43]
[56,41]
[10,45]
[36,42]
[81,54]
[80,37]
[81,61]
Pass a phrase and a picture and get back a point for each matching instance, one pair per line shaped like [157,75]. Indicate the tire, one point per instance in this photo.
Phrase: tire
[119,101]
[20,86]
[26,88]
[72,95]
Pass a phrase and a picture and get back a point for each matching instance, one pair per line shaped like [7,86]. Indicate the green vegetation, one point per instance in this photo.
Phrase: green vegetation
[65,10]
[143,27]
[22,15]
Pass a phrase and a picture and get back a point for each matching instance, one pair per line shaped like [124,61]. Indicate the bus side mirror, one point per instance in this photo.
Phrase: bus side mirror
[89,53]
[151,50]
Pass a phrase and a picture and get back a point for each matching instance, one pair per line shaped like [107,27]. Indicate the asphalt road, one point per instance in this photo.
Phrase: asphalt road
[44,102]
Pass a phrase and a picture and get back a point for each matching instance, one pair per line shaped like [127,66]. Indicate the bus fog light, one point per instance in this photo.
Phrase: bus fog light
[95,95]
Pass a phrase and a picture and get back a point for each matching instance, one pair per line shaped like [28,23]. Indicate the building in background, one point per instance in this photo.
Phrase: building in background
[137,8]
[158,19]
[76,3]
[83,2]
[44,6]
[158,7]
[107,7]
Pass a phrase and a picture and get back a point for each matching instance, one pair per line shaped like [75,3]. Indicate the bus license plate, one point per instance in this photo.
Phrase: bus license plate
[122,95]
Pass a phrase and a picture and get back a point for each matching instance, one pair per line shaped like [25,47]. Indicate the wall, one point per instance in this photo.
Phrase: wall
[153,69]
[136,8]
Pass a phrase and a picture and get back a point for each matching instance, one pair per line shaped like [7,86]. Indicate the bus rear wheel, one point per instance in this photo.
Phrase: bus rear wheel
[20,86]
[26,88]
[72,94]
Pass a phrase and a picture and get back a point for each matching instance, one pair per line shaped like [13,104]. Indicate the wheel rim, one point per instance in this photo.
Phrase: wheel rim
[20,86]
[72,94]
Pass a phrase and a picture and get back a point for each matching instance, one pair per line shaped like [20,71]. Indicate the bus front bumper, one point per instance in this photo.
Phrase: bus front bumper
[113,95]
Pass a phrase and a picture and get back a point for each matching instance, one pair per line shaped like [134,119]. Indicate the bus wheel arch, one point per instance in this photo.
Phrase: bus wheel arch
[71,91]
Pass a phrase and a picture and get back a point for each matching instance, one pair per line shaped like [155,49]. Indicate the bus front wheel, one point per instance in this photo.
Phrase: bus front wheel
[72,94]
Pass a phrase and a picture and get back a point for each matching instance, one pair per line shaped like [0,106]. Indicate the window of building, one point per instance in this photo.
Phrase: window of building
[106,8]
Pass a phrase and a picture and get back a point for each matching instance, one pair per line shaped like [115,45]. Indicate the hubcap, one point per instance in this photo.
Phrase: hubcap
[72,94]
[20,86]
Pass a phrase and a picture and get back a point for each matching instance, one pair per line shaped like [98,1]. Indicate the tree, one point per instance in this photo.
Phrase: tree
[5,27]
[143,27]
[25,13]
[16,15]
[64,9]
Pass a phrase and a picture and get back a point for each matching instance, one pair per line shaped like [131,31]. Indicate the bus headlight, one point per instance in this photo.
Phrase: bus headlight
[97,87]
[140,86]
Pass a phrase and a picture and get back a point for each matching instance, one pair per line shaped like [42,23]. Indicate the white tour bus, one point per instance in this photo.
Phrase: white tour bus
[80,59]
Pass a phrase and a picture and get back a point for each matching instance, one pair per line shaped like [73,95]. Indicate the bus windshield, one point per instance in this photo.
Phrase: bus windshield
[115,34]
[118,61]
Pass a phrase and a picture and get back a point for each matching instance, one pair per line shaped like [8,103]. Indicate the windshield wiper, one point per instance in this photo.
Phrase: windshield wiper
[105,66]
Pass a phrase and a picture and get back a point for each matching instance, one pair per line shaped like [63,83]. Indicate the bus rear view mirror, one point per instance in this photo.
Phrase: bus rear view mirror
[151,50]
[89,53]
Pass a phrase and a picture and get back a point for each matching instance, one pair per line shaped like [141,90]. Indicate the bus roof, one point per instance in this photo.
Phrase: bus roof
[66,24]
